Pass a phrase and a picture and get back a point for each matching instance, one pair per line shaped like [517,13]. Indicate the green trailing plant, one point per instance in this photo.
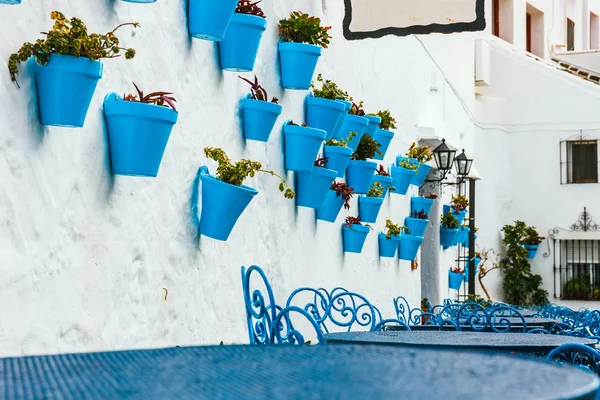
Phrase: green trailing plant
[459,203]
[376,190]
[457,270]
[357,109]
[419,214]
[257,92]
[69,37]
[329,90]
[521,286]
[407,164]
[420,153]
[300,27]
[342,189]
[387,121]
[449,221]
[392,229]
[235,174]
[532,236]
[340,142]
[248,7]
[367,148]
[157,98]
[578,288]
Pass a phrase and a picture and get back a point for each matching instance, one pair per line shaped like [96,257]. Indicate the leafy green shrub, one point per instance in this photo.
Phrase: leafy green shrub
[367,148]
[420,153]
[449,221]
[387,121]
[340,142]
[329,90]
[407,164]
[300,27]
[532,236]
[459,203]
[392,229]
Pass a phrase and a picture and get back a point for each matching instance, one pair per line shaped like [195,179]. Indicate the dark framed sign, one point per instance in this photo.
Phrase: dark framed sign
[377,18]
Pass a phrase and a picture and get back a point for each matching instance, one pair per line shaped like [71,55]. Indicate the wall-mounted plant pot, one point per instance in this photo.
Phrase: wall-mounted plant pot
[222,205]
[466,244]
[401,178]
[337,158]
[134,1]
[463,235]
[459,215]
[259,118]
[374,122]
[353,123]
[384,138]
[137,134]
[239,47]
[10,2]
[368,208]
[324,113]
[467,273]
[302,145]
[388,247]
[419,204]
[416,226]
[531,250]
[338,128]
[476,262]
[65,87]
[409,247]
[421,175]
[385,181]
[359,175]
[447,236]
[354,237]
[313,186]
[298,62]
[455,280]
[331,207]
[209,19]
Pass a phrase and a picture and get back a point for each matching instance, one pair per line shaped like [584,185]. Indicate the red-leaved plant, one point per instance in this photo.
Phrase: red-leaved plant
[431,195]
[419,214]
[457,270]
[350,220]
[321,162]
[157,98]
[247,7]
[257,91]
[342,189]
[357,109]
[381,171]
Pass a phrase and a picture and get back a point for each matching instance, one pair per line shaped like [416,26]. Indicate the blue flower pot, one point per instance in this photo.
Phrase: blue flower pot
[531,249]
[467,273]
[467,242]
[374,122]
[132,1]
[209,19]
[409,247]
[368,208]
[331,207]
[459,215]
[412,161]
[476,262]
[11,2]
[337,158]
[65,87]
[353,123]
[313,186]
[298,62]
[385,181]
[401,178]
[138,134]
[388,247]
[463,235]
[455,280]
[419,204]
[259,118]
[447,236]
[302,145]
[222,205]
[384,138]
[359,175]
[422,173]
[416,226]
[239,47]
[354,238]
[324,114]
[338,128]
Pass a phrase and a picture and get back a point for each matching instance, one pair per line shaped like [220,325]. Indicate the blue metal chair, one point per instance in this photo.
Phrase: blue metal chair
[576,354]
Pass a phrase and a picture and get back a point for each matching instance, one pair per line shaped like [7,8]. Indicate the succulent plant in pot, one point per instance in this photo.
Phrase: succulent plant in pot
[402,175]
[323,108]
[384,178]
[370,204]
[338,153]
[302,38]
[139,127]
[418,155]
[354,234]
[339,195]
[239,47]
[356,122]
[417,222]
[455,277]
[209,19]
[259,115]
[302,145]
[383,133]
[67,68]
[389,240]
[313,186]
[360,171]
[448,229]
[224,197]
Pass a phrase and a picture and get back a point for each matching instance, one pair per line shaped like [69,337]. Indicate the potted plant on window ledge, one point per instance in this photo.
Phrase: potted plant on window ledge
[339,195]
[456,276]
[138,129]
[359,173]
[448,229]
[312,186]
[338,154]
[383,133]
[402,175]
[355,234]
[389,241]
[302,145]
[258,114]
[67,68]
[369,205]
[239,47]
[323,110]
[532,241]
[224,198]
[355,122]
[302,38]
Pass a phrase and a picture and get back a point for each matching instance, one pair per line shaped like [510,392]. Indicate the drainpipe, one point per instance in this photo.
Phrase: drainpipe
[471,236]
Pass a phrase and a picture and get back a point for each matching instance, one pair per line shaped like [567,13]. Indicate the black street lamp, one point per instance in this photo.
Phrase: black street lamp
[444,157]
[463,164]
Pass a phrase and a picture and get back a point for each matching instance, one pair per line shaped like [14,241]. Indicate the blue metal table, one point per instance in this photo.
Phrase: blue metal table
[291,372]
[512,342]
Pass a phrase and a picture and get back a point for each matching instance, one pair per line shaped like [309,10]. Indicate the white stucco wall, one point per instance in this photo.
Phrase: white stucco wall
[85,255]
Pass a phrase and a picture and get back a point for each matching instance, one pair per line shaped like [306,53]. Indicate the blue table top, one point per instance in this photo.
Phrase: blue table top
[291,372]
[518,342]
